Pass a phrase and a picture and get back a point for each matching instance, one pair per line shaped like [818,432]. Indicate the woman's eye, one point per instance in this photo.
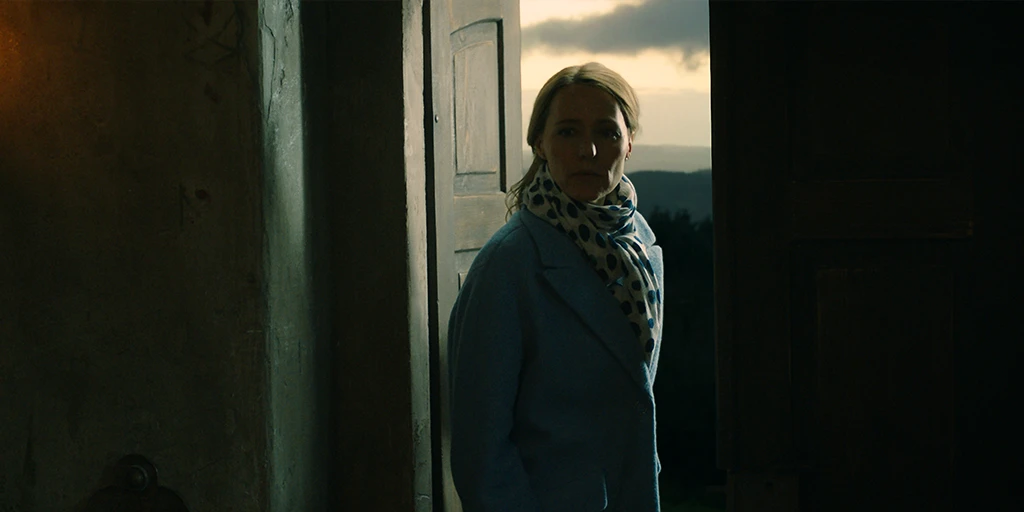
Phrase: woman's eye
[566,132]
[613,134]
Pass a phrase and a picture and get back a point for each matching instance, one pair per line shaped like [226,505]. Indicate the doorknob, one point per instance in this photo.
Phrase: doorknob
[135,489]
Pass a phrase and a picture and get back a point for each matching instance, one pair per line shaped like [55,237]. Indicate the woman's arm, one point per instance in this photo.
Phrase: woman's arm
[485,356]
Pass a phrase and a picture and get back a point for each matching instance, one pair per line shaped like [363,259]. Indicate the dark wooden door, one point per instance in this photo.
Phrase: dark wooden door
[475,93]
[868,248]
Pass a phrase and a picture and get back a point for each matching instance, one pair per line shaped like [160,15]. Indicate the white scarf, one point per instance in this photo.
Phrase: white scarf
[608,237]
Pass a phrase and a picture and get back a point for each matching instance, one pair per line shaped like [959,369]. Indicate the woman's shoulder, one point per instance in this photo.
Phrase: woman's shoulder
[511,245]
[644,229]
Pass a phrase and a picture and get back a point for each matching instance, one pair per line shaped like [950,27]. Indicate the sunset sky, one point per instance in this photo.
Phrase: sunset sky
[659,46]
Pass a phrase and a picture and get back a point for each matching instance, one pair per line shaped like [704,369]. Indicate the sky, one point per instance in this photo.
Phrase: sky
[659,46]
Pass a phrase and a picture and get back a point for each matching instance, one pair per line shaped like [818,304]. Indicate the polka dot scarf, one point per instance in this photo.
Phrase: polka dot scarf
[608,238]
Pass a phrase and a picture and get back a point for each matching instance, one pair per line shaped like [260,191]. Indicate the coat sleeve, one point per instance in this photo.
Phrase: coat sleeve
[485,356]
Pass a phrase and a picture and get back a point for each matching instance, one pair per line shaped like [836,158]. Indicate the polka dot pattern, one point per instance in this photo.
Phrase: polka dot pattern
[608,238]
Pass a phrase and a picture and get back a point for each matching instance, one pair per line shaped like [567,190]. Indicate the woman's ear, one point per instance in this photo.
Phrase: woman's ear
[539,152]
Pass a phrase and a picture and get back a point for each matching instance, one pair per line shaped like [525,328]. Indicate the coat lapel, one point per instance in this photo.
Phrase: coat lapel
[576,283]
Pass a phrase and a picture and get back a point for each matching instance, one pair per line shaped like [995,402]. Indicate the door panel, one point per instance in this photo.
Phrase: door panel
[475,93]
[477,107]
[477,217]
[866,207]
[874,324]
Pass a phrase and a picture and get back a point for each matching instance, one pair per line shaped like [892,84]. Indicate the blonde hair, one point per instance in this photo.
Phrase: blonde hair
[593,74]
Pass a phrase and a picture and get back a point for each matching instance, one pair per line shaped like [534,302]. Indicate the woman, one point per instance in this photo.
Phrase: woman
[554,338]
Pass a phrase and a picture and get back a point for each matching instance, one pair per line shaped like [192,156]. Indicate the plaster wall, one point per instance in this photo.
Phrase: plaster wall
[131,268]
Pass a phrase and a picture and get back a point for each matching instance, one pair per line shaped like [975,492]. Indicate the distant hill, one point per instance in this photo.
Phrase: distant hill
[658,158]
[673,191]
[669,158]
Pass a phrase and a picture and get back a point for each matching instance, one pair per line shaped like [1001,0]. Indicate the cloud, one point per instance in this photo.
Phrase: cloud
[680,25]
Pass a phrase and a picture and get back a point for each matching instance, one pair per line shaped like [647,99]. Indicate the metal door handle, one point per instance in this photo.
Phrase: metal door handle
[136,489]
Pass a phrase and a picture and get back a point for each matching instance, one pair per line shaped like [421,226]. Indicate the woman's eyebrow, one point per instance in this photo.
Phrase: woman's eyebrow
[605,120]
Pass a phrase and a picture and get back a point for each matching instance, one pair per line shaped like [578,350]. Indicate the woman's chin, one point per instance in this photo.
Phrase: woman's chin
[585,197]
[587,194]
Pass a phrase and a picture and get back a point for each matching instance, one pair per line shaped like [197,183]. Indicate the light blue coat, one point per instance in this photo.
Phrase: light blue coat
[552,404]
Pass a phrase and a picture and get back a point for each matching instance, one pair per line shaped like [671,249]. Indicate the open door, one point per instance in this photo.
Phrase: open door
[475,94]
[868,245]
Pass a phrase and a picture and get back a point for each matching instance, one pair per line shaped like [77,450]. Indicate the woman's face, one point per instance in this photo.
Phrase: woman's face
[585,142]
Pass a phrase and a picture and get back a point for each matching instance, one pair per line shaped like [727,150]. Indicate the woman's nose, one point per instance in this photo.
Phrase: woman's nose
[588,149]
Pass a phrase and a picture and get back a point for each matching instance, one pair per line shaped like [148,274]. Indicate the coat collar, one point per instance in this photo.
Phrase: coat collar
[556,250]
[576,283]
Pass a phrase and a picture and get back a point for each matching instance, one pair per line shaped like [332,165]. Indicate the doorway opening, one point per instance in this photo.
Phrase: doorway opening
[661,47]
